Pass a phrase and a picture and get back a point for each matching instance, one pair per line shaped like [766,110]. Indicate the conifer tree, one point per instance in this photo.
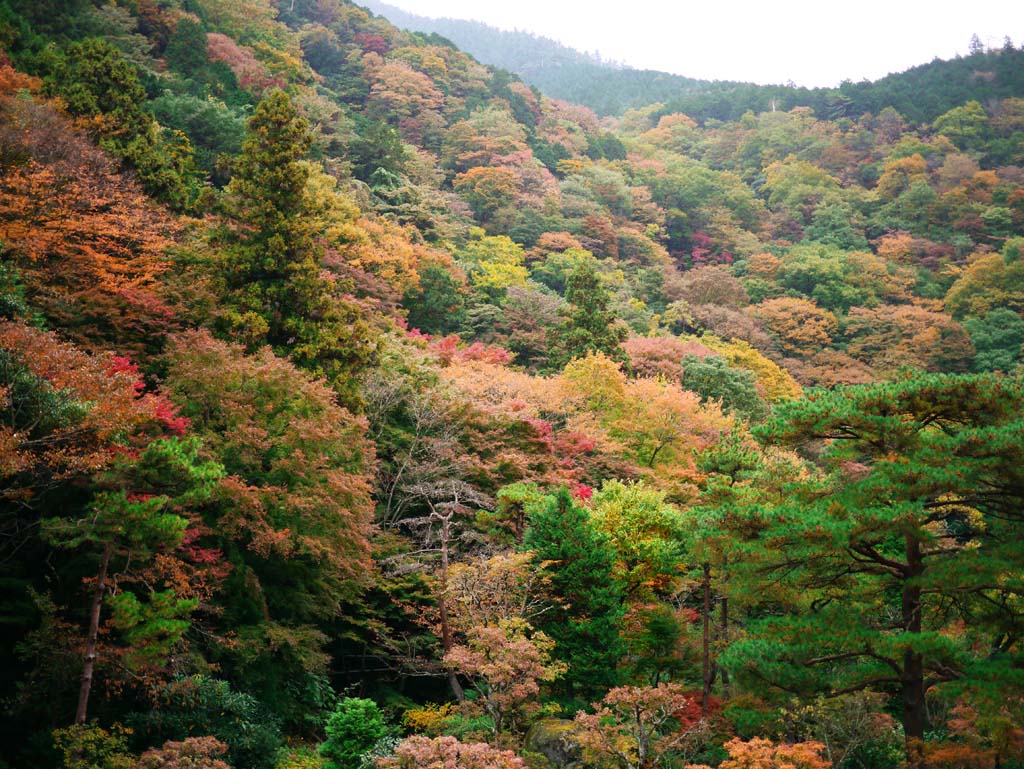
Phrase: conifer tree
[909,533]
[275,286]
[584,621]
[590,326]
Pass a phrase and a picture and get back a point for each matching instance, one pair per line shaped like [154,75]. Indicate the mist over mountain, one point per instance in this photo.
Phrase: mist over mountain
[922,93]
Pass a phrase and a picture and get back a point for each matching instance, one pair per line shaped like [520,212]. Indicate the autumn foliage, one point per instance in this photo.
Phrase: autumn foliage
[348,382]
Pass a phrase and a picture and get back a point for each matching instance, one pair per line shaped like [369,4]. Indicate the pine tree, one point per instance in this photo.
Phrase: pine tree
[903,547]
[274,283]
[584,620]
[590,326]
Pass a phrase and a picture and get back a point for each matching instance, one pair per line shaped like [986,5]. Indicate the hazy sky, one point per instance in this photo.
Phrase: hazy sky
[809,42]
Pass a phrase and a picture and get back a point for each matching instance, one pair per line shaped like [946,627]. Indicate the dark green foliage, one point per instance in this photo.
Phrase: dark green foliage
[49,17]
[590,325]
[186,50]
[715,380]
[376,146]
[833,224]
[33,404]
[437,305]
[206,706]
[587,601]
[655,647]
[99,82]
[998,339]
[921,94]
[912,521]
[96,81]
[275,290]
[214,130]
[352,729]
[13,303]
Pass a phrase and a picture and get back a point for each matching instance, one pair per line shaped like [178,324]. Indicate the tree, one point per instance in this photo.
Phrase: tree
[87,460]
[734,388]
[487,190]
[67,414]
[587,600]
[293,514]
[644,531]
[892,337]
[135,517]
[998,340]
[352,729]
[191,753]
[640,727]
[202,705]
[88,746]
[276,290]
[988,282]
[911,524]
[590,326]
[404,96]
[90,247]
[710,284]
[760,753]
[494,263]
[418,752]
[506,663]
[99,83]
[437,304]
[799,325]
[964,125]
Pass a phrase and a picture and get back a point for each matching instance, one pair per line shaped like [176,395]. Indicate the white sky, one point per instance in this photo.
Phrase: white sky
[811,43]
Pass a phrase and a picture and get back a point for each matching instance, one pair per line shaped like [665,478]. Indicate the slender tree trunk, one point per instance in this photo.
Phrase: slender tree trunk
[706,693]
[442,605]
[912,678]
[643,743]
[90,641]
[725,636]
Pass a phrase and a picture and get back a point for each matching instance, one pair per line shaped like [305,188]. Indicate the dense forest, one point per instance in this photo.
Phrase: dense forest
[363,406]
[609,88]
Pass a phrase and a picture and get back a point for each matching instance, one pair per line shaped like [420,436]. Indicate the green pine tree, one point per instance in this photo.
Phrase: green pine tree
[887,567]
[590,325]
[584,620]
[275,289]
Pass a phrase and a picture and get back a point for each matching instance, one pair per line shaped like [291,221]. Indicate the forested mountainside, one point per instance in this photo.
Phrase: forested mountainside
[363,406]
[558,71]
[920,94]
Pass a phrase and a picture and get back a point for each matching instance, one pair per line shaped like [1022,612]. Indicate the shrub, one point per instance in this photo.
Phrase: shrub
[352,729]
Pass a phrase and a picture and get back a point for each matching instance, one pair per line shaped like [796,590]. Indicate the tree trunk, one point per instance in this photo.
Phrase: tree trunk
[706,692]
[725,636]
[90,641]
[643,741]
[442,606]
[912,678]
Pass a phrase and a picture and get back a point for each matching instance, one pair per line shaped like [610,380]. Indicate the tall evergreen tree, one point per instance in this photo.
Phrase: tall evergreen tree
[590,325]
[584,620]
[908,535]
[274,283]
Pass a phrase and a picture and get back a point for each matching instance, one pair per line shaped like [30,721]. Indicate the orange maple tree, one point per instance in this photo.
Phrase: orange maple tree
[88,243]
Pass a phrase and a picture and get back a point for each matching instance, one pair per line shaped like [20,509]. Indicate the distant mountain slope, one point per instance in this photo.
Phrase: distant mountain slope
[920,94]
[559,71]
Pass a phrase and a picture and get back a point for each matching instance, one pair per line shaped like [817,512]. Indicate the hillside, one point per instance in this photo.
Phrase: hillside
[557,70]
[362,405]
[920,94]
